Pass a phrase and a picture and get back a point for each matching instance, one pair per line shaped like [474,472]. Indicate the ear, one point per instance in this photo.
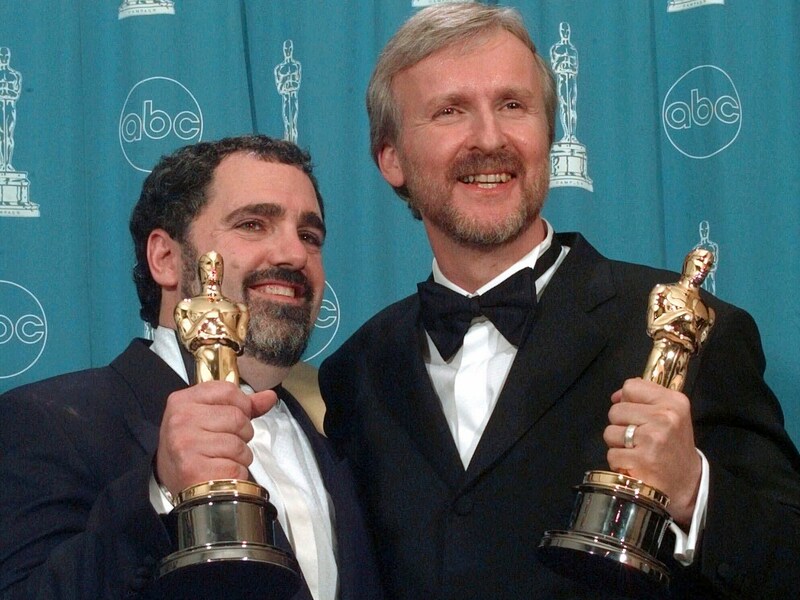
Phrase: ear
[389,164]
[164,259]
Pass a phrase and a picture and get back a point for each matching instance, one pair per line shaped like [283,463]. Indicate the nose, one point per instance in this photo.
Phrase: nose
[487,131]
[289,251]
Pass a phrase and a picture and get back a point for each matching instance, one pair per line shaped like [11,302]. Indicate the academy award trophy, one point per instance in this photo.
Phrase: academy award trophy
[225,528]
[618,522]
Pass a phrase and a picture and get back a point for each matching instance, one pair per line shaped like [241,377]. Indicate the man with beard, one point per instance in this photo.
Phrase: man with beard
[91,461]
[473,407]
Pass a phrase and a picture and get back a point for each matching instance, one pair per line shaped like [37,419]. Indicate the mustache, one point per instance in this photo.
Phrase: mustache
[295,278]
[503,160]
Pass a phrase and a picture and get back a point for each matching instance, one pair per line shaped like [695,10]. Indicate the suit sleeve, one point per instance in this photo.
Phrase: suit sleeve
[751,541]
[73,527]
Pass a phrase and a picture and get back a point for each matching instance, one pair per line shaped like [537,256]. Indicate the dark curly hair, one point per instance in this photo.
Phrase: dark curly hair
[175,192]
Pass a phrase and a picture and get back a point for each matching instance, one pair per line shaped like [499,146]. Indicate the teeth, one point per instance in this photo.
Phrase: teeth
[278,290]
[487,178]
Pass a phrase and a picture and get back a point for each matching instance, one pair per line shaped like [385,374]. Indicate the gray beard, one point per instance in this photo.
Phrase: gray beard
[277,334]
[426,195]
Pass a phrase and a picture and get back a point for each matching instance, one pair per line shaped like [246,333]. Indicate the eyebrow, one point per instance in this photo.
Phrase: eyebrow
[459,97]
[273,211]
[312,219]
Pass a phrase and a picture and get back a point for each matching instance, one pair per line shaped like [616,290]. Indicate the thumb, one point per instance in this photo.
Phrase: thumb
[261,402]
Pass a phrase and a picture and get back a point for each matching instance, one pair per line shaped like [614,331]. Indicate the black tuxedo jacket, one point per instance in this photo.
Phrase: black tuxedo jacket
[75,463]
[445,532]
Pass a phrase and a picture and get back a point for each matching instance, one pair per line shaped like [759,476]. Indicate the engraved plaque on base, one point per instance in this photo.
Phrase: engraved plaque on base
[14,195]
[568,166]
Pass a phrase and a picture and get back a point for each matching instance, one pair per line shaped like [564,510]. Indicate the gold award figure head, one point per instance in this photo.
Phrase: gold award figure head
[697,266]
[678,321]
[212,327]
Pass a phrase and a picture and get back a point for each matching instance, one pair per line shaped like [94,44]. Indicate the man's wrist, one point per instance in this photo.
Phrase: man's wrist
[688,542]
[165,494]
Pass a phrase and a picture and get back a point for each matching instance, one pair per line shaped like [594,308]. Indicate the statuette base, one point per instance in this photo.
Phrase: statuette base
[616,528]
[232,571]
[226,546]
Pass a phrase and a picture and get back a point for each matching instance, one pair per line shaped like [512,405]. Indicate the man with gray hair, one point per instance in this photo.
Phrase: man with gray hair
[471,408]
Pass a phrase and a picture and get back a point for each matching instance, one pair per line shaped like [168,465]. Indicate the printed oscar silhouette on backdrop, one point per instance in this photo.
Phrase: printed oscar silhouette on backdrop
[705,243]
[225,528]
[618,522]
[568,155]
[14,185]
[287,79]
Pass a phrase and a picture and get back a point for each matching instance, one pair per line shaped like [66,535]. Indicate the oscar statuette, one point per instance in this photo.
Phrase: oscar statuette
[618,522]
[225,528]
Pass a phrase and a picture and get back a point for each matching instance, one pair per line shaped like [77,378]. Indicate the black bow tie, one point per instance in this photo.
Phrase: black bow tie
[447,314]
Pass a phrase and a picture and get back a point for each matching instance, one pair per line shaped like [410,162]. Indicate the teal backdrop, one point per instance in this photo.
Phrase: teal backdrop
[679,125]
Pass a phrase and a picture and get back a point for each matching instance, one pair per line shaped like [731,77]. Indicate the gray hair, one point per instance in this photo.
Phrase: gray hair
[429,31]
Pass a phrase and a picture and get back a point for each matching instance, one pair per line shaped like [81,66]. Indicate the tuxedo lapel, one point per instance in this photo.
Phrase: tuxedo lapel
[333,468]
[354,557]
[150,380]
[562,340]
[328,463]
[413,402]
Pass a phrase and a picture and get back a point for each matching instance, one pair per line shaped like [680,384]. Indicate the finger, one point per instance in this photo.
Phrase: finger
[614,436]
[626,413]
[209,448]
[227,419]
[639,391]
[226,446]
[212,393]
[628,387]
[616,397]
[622,460]
[261,402]
[199,418]
[218,456]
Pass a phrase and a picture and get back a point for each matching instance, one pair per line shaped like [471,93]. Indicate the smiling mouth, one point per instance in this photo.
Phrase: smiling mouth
[276,283]
[486,180]
[277,290]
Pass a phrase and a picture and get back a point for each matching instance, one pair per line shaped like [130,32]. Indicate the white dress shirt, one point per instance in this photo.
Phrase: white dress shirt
[469,384]
[285,465]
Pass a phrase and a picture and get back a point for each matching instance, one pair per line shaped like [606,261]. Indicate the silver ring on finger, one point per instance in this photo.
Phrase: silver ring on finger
[630,430]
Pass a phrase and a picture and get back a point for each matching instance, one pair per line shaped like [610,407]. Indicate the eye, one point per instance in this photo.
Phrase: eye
[513,104]
[312,238]
[445,112]
[250,225]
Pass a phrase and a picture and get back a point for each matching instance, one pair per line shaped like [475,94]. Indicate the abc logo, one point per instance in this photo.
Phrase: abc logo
[326,326]
[159,115]
[23,329]
[702,112]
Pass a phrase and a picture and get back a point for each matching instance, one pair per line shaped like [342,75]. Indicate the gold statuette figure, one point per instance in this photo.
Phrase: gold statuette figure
[212,327]
[679,322]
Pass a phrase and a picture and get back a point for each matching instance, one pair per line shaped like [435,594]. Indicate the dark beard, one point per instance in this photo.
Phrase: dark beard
[277,334]
[190,277]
